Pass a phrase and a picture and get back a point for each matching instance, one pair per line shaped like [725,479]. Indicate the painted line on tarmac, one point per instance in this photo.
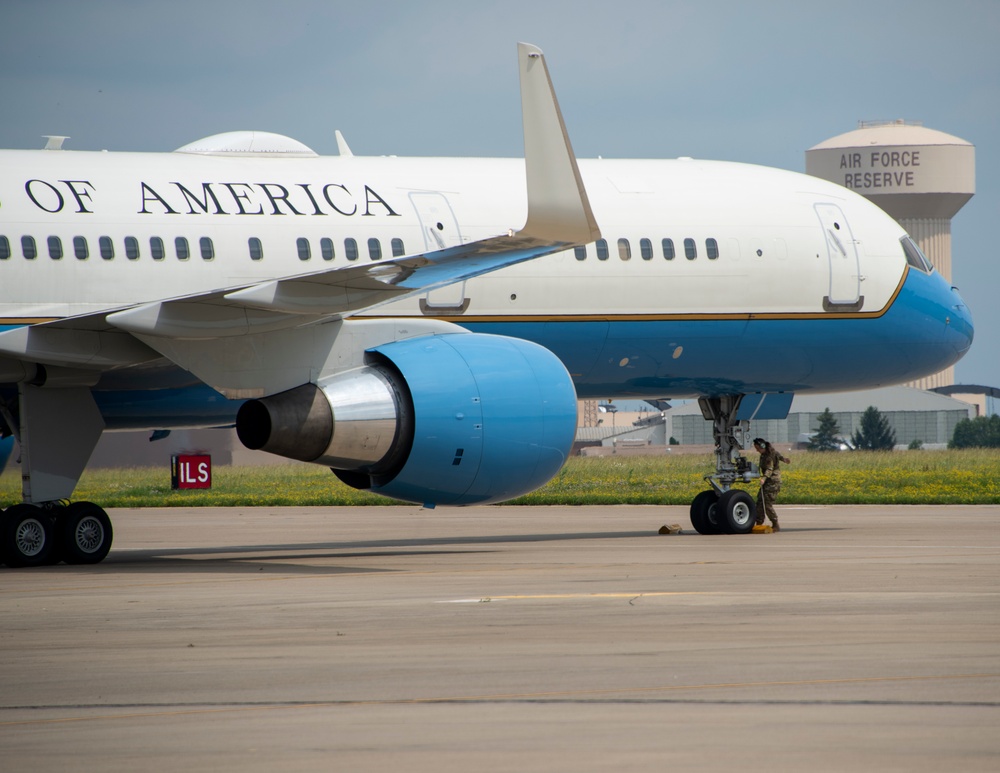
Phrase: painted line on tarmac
[183,710]
[537,596]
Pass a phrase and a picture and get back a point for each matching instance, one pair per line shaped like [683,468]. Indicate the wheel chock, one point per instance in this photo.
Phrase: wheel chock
[673,528]
[762,529]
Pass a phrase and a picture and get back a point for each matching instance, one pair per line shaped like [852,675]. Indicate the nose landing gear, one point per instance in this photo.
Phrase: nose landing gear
[723,509]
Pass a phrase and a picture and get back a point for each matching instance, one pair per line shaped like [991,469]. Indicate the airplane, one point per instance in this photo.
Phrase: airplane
[385,317]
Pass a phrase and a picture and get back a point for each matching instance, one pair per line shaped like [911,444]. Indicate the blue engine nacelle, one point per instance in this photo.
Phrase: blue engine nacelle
[454,419]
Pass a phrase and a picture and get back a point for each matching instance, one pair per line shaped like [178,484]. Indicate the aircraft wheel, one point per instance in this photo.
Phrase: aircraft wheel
[736,512]
[85,533]
[26,536]
[703,513]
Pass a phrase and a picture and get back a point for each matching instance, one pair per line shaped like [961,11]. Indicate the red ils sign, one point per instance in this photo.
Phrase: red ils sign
[191,471]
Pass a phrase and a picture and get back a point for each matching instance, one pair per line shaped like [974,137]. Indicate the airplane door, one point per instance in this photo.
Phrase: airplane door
[440,229]
[842,251]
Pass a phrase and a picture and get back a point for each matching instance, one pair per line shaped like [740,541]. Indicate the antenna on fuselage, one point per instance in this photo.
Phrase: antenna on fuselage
[55,142]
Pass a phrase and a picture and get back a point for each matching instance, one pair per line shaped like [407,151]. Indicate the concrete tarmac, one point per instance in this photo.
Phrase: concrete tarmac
[509,638]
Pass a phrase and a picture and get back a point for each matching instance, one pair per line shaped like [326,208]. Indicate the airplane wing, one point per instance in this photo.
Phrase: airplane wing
[559,217]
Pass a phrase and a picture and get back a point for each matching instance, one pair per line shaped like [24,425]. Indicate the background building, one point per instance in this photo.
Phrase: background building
[914,415]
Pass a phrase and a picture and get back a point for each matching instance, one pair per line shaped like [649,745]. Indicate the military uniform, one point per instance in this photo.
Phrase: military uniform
[770,485]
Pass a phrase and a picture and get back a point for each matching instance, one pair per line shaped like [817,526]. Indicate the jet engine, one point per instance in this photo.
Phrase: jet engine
[455,419]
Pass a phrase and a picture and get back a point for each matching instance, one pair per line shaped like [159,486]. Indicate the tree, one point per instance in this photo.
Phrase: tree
[980,432]
[874,434]
[827,435]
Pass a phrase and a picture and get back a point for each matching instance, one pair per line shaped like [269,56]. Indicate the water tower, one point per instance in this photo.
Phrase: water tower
[920,176]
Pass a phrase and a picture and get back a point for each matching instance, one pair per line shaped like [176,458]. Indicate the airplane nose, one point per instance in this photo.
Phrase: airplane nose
[961,320]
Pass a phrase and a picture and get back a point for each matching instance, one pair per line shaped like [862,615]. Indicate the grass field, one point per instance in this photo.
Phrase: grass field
[910,477]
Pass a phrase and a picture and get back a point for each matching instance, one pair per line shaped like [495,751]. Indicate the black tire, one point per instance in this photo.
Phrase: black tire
[704,509]
[27,536]
[84,533]
[737,512]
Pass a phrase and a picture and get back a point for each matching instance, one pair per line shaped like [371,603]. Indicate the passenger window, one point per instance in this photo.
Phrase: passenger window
[256,248]
[374,249]
[712,249]
[181,246]
[326,248]
[156,248]
[668,249]
[602,249]
[624,249]
[580,252]
[646,249]
[690,249]
[207,248]
[397,248]
[4,248]
[107,247]
[131,248]
[80,248]
[302,245]
[28,248]
[351,249]
[55,248]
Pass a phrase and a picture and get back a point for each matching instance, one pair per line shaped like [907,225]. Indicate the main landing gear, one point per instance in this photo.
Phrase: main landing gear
[32,535]
[57,429]
[723,509]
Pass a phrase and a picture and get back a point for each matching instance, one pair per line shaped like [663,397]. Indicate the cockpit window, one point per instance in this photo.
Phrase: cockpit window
[914,256]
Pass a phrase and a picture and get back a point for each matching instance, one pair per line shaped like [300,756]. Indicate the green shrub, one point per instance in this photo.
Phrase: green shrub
[827,435]
[980,432]
[874,434]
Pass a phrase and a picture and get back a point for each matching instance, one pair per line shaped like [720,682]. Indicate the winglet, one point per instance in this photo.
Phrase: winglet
[558,207]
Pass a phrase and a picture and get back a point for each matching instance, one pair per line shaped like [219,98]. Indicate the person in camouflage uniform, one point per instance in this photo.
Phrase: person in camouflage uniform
[770,481]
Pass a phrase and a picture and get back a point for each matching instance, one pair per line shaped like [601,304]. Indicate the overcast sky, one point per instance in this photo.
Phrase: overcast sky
[748,81]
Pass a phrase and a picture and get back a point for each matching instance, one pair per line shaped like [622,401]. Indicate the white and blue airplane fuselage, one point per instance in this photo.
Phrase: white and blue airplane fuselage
[806,282]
